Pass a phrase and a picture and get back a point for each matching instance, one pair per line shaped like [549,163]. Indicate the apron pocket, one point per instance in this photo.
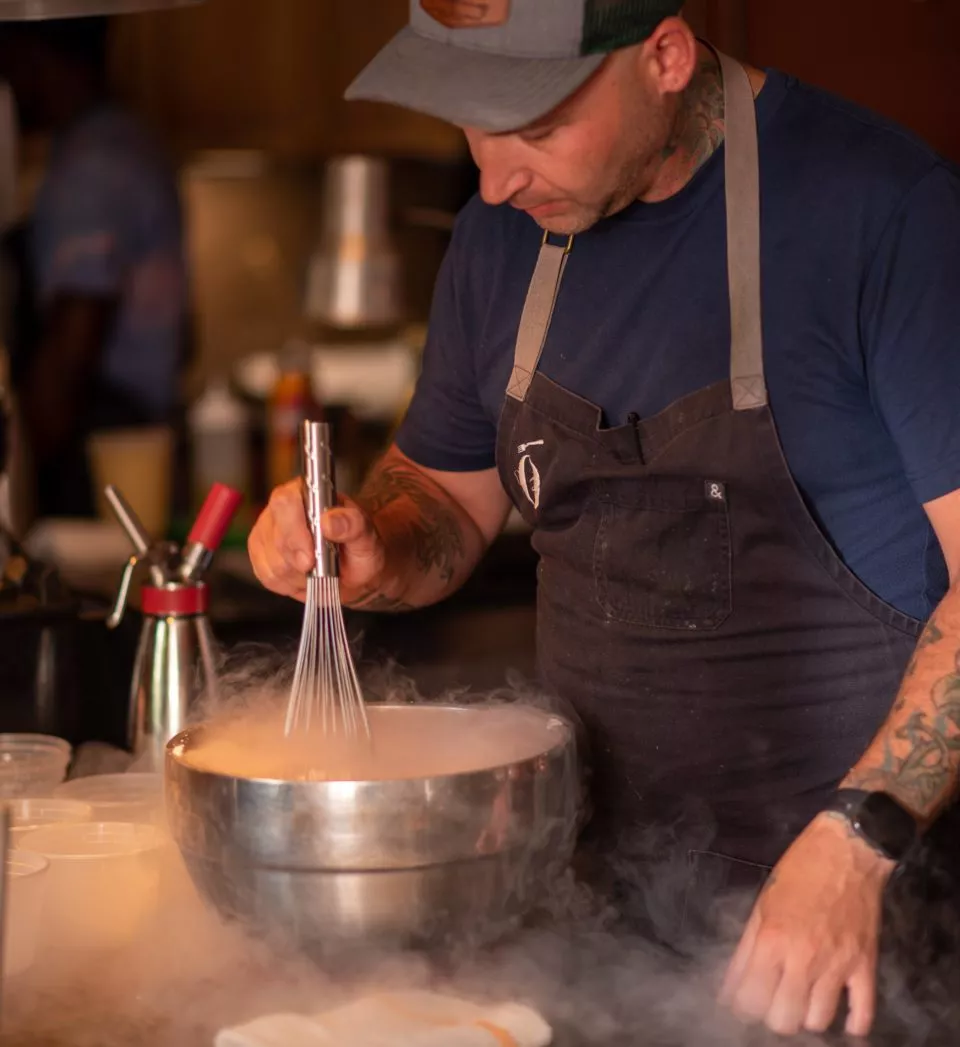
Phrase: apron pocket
[720,895]
[662,553]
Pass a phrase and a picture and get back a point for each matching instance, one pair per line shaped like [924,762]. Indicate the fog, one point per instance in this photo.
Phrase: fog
[580,958]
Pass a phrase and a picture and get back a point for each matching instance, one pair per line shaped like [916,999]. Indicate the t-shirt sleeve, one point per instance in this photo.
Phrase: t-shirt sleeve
[911,329]
[446,426]
[78,230]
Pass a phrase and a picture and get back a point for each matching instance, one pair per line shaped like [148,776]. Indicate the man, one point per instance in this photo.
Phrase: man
[102,310]
[721,392]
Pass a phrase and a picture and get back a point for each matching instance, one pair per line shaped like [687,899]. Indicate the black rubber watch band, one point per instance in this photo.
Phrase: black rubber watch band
[879,820]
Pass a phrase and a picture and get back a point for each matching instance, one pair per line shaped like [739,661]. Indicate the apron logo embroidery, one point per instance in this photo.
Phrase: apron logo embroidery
[716,492]
[528,475]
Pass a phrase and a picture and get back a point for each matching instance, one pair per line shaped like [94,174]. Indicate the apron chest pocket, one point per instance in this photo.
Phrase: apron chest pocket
[662,553]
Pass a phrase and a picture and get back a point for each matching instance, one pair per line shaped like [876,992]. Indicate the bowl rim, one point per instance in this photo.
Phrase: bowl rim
[37,863]
[77,807]
[569,738]
[38,740]
[140,788]
[148,838]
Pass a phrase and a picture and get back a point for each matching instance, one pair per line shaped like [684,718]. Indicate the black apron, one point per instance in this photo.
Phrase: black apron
[728,668]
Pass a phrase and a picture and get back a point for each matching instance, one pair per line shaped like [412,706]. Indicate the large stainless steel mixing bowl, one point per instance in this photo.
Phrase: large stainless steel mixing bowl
[415,860]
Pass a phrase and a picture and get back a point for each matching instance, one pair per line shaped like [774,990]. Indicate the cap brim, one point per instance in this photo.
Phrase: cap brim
[469,88]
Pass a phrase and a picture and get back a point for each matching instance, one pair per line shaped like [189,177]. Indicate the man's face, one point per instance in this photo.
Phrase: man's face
[588,159]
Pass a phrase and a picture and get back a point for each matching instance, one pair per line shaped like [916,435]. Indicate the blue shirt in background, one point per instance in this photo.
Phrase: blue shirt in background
[861,300]
[107,221]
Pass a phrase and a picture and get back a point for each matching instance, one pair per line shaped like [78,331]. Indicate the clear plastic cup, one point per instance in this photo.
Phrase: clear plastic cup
[31,764]
[27,876]
[103,881]
[35,812]
[118,797]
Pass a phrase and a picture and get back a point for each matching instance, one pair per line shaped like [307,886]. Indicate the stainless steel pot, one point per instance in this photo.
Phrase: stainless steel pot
[411,861]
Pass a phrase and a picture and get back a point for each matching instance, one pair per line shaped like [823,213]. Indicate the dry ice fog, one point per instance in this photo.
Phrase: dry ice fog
[188,972]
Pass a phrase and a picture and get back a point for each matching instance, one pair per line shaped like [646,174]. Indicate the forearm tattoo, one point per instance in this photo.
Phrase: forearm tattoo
[435,532]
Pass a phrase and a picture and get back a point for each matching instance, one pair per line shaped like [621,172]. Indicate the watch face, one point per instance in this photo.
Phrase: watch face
[886,824]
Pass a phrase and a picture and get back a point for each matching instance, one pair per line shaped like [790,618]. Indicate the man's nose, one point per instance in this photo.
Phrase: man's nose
[501,177]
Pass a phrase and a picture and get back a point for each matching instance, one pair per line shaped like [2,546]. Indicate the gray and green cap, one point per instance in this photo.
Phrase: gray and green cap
[501,64]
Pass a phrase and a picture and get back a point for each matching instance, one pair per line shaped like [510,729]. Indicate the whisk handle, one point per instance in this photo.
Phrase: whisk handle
[319,492]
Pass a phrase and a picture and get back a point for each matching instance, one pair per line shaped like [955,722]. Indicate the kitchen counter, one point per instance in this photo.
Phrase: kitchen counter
[189,975]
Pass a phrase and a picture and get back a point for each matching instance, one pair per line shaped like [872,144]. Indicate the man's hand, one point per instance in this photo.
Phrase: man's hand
[814,932]
[281,546]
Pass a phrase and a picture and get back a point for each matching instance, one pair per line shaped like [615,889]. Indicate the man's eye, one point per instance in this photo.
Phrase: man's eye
[538,134]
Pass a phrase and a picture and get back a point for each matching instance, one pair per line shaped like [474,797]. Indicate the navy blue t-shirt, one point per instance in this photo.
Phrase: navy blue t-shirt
[861,322]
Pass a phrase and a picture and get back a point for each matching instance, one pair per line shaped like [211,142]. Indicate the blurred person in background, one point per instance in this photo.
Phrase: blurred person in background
[99,334]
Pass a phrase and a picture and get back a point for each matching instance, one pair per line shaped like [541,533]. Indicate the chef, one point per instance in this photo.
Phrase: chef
[700,328]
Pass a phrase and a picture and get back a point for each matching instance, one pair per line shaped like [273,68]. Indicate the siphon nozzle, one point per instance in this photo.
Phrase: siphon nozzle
[319,492]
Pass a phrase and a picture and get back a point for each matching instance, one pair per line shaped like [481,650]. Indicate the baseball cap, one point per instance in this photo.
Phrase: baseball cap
[501,64]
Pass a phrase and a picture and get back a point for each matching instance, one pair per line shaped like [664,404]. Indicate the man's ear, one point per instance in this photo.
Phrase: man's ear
[670,56]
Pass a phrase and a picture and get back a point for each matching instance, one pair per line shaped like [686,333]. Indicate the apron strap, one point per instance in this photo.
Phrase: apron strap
[742,173]
[742,168]
[536,316]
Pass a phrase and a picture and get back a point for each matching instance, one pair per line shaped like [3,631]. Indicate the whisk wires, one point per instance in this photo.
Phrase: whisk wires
[326,693]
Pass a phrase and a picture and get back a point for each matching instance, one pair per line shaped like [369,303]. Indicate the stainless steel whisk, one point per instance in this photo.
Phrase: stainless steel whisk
[326,692]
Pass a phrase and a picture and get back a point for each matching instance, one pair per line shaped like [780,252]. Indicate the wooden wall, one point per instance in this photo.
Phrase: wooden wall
[269,74]
[900,57]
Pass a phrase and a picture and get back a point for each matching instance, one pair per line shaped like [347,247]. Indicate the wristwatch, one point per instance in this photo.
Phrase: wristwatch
[879,820]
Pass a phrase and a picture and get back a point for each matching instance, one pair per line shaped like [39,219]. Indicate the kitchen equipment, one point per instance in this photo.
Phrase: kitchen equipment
[39,645]
[174,662]
[103,880]
[26,881]
[31,764]
[403,860]
[219,441]
[326,693]
[354,277]
[131,797]
[36,811]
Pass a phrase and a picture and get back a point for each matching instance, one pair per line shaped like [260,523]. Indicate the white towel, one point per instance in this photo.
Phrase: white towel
[409,1019]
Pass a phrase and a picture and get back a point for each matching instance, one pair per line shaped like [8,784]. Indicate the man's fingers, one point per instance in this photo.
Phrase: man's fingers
[824,1002]
[741,958]
[289,518]
[791,1000]
[758,985]
[862,988]
[352,529]
[274,571]
[345,524]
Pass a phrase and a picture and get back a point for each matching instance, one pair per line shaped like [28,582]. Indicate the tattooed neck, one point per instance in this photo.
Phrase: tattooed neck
[698,130]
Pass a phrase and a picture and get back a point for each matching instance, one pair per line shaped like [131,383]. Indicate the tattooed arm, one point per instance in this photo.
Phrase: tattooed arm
[916,755]
[435,527]
[413,536]
[816,925]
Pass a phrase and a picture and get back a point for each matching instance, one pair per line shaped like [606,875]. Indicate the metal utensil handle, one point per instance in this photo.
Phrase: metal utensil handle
[319,493]
[128,520]
[136,532]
